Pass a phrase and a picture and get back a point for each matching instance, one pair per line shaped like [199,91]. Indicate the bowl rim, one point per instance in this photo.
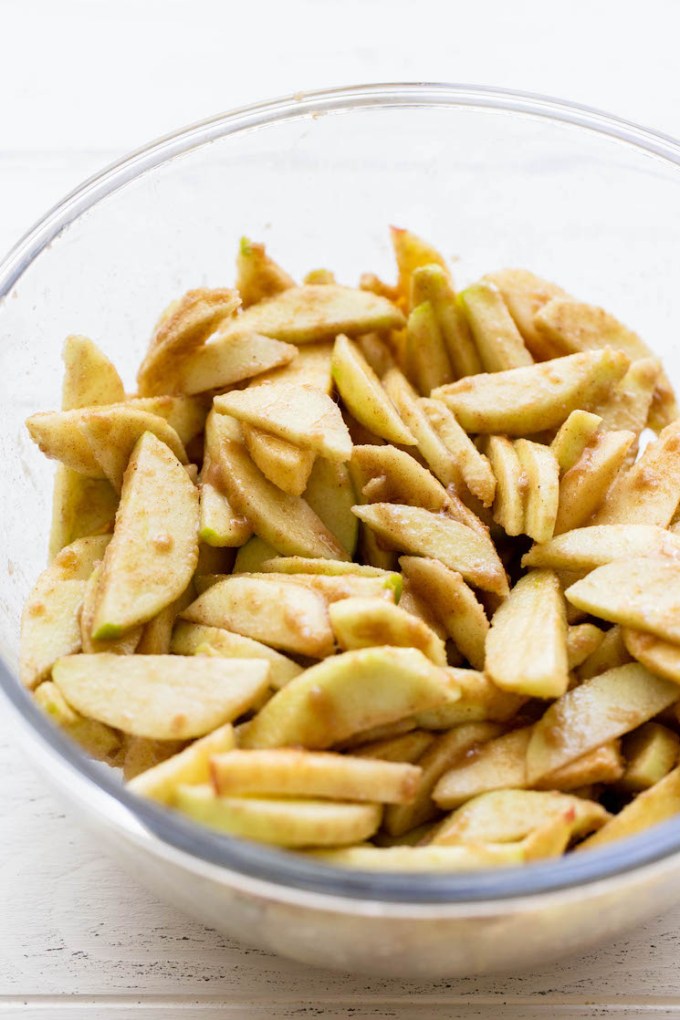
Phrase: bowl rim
[257,861]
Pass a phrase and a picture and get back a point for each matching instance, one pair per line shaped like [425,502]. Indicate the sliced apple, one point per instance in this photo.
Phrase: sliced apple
[584,486]
[499,342]
[604,764]
[417,531]
[526,648]
[582,640]
[597,711]
[309,313]
[257,275]
[289,823]
[96,739]
[190,767]
[385,474]
[334,568]
[630,401]
[311,367]
[162,697]
[286,616]
[499,764]
[284,772]
[426,358]
[480,701]
[363,394]
[301,415]
[611,652]
[642,593]
[405,747]
[154,550]
[124,645]
[367,622]
[285,465]
[520,401]
[50,627]
[468,857]
[89,377]
[254,554]
[440,461]
[508,507]
[583,549]
[541,474]
[659,656]
[113,432]
[411,253]
[651,752]
[651,807]
[348,694]
[432,283]
[286,522]
[330,494]
[80,506]
[525,294]
[648,493]
[575,434]
[453,602]
[185,325]
[502,816]
[188,637]
[437,759]
[475,470]
[228,359]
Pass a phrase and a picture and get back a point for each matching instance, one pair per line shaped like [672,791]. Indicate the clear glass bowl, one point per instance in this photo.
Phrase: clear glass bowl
[492,177]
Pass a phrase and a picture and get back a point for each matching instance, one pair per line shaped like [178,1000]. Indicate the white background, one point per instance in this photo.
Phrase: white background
[84,81]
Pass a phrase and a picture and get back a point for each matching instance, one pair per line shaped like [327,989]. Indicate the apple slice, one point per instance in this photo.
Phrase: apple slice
[526,648]
[191,766]
[651,807]
[162,697]
[525,294]
[348,694]
[330,494]
[363,395]
[387,475]
[113,432]
[311,367]
[584,486]
[542,493]
[367,622]
[643,593]
[284,772]
[301,415]
[89,377]
[574,435]
[467,857]
[584,549]
[475,470]
[480,701]
[288,822]
[286,522]
[257,275]
[184,326]
[96,739]
[154,550]
[432,283]
[499,342]
[498,765]
[285,465]
[302,315]
[425,356]
[226,360]
[520,401]
[286,616]
[411,253]
[188,637]
[417,531]
[335,568]
[597,711]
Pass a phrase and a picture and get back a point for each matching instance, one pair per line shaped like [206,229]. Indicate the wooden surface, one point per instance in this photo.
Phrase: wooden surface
[83,81]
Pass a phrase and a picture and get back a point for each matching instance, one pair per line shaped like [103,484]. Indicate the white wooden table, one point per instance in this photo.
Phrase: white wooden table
[82,82]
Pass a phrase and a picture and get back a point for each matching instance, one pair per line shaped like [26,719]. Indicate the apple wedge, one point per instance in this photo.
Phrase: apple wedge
[90,379]
[113,433]
[96,739]
[525,294]
[154,550]
[188,637]
[421,533]
[311,367]
[648,493]
[290,617]
[437,759]
[453,602]
[228,359]
[330,495]
[480,701]
[440,461]
[582,640]
[363,395]
[190,767]
[257,275]
[80,506]
[251,557]
[660,657]
[124,645]
[651,807]
[348,694]
[285,772]
[520,401]
[426,359]
[334,568]
[185,325]
[574,435]
[411,253]
[541,473]
[642,593]
[508,506]
[285,465]
[302,315]
[385,474]
[526,648]
[286,522]
[50,627]
[585,485]
[162,697]
[301,415]
[475,470]
[597,711]
[432,283]
[498,765]
[367,622]
[502,816]
[288,822]
[584,549]
[405,747]
[467,857]
[630,401]
[651,752]
[499,342]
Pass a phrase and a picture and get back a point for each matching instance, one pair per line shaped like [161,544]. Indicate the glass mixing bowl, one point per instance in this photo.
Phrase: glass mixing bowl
[494,177]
